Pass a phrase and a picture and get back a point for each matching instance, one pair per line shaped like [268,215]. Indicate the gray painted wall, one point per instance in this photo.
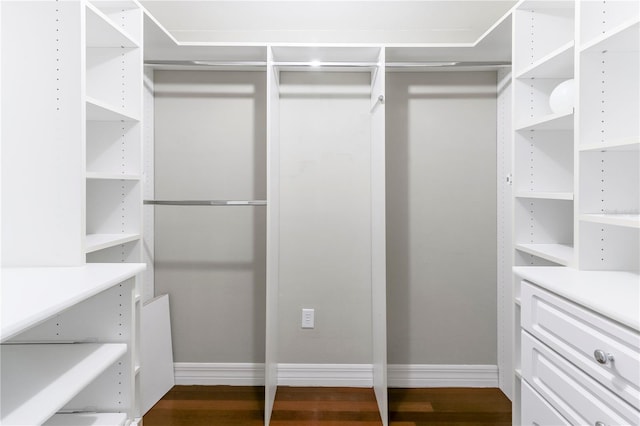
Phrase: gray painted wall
[210,143]
[441,217]
[325,226]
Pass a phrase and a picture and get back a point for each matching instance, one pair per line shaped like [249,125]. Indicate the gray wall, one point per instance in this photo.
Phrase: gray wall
[210,143]
[441,217]
[325,226]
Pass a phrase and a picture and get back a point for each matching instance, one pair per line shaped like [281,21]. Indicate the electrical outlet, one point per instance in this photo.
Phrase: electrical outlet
[308,318]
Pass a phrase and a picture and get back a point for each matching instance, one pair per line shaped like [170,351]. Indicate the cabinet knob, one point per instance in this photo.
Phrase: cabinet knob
[602,357]
[600,424]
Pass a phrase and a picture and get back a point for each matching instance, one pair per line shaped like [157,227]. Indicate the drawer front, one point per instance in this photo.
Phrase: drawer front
[577,334]
[538,412]
[577,397]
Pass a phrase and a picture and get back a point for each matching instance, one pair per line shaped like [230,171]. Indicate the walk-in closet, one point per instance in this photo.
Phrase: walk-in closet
[332,195]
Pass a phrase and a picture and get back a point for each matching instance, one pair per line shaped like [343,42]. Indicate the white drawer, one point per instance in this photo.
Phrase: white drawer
[536,411]
[577,397]
[576,333]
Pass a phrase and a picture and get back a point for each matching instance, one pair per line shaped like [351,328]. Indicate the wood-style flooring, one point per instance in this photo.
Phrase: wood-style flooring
[244,405]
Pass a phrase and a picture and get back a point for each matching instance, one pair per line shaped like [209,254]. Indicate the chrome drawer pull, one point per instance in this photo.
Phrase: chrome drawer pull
[602,357]
[600,424]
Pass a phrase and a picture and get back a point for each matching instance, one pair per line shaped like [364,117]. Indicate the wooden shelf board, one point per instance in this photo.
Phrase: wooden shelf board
[558,253]
[562,121]
[101,111]
[95,242]
[627,220]
[546,195]
[52,290]
[631,145]
[614,294]
[87,419]
[101,31]
[43,378]
[113,176]
[623,38]
[557,64]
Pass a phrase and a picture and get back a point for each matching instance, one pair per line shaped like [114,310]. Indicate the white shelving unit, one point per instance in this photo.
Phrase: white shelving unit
[113,131]
[577,184]
[58,358]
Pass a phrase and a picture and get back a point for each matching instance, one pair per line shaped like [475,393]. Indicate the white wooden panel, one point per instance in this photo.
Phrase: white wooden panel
[42,142]
[273,238]
[617,12]
[378,240]
[156,374]
[114,147]
[113,206]
[148,190]
[543,221]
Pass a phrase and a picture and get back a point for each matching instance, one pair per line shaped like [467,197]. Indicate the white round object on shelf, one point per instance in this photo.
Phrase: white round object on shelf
[561,99]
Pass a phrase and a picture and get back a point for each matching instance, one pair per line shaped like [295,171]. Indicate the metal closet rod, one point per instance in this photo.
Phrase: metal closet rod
[207,63]
[314,64]
[206,202]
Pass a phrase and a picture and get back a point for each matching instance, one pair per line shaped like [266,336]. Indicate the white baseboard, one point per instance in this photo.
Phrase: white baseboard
[442,376]
[223,373]
[346,375]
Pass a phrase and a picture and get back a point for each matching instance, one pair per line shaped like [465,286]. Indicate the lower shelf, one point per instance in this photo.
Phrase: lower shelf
[88,419]
[558,253]
[44,377]
[95,242]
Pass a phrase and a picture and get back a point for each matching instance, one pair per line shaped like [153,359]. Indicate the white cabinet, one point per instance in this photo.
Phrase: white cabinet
[70,355]
[576,210]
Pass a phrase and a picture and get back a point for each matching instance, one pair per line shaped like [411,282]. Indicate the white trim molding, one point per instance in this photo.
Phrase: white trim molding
[346,375]
[219,373]
[442,375]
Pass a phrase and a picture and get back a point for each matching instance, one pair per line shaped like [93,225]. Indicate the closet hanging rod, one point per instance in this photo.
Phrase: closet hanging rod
[207,63]
[206,202]
[446,64]
[320,64]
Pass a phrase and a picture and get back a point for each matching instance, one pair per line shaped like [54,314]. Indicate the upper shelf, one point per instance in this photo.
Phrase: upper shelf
[101,32]
[557,64]
[623,38]
[631,144]
[626,220]
[562,121]
[52,290]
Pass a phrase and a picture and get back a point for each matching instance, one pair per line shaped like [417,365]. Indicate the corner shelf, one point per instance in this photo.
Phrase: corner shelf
[557,64]
[101,111]
[623,38]
[561,254]
[563,121]
[44,377]
[103,33]
[626,220]
[95,242]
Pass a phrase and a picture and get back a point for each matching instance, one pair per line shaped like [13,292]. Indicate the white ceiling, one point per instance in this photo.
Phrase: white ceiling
[386,22]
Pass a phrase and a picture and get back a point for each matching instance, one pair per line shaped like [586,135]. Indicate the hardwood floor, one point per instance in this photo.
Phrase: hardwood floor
[241,405]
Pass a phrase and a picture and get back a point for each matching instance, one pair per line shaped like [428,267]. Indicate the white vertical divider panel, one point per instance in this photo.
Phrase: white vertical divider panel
[273,243]
[505,223]
[43,132]
[148,254]
[378,239]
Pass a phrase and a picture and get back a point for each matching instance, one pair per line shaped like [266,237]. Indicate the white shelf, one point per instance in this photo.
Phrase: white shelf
[101,32]
[627,220]
[632,144]
[623,38]
[546,195]
[557,64]
[52,290]
[112,176]
[101,111]
[614,294]
[95,242]
[562,121]
[88,419]
[558,253]
[43,378]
